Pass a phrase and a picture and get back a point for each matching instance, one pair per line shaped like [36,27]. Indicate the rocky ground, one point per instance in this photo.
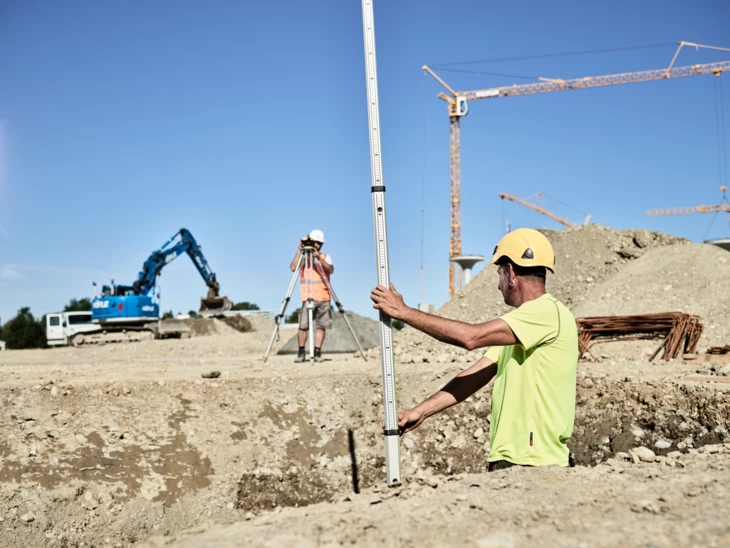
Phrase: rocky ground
[123,445]
[198,442]
[669,502]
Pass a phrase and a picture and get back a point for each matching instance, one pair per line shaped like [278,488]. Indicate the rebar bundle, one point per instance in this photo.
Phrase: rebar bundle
[681,331]
[719,350]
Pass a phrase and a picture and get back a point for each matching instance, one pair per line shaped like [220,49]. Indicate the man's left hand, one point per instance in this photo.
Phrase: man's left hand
[389,301]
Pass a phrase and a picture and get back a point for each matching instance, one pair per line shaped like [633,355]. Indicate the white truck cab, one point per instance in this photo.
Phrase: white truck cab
[61,327]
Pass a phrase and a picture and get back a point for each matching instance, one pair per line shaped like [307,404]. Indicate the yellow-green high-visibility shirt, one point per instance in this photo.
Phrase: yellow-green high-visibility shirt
[533,399]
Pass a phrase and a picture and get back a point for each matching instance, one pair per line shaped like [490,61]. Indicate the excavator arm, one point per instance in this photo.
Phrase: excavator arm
[182,242]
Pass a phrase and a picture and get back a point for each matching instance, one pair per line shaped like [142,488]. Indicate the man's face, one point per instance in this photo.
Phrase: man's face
[503,285]
[317,245]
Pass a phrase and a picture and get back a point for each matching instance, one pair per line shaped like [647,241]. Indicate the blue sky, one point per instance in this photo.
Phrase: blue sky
[246,123]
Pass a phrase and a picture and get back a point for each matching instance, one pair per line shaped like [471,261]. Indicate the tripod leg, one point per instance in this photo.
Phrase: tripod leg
[340,309]
[310,317]
[283,306]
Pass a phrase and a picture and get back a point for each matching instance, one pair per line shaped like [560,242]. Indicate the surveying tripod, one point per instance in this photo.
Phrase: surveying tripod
[306,264]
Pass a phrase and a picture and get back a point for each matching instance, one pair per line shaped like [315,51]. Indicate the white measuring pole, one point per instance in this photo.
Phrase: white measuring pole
[392,453]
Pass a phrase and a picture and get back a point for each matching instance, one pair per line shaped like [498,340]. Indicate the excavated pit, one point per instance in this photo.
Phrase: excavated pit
[86,461]
[611,417]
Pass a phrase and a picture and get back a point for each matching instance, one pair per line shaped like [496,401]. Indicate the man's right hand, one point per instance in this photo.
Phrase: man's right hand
[410,419]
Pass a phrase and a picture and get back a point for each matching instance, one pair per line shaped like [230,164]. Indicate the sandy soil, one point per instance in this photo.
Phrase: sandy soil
[124,445]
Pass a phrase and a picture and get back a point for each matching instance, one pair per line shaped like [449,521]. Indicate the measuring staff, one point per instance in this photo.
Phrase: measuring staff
[377,191]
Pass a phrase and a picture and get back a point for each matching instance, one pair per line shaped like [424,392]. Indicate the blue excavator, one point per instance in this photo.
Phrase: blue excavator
[131,312]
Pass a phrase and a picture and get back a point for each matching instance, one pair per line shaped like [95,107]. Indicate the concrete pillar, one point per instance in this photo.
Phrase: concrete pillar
[467,262]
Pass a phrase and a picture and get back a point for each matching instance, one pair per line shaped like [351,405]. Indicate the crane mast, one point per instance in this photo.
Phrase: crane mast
[457,103]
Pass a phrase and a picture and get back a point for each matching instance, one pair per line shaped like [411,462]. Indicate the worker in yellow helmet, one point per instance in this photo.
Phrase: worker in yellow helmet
[532,357]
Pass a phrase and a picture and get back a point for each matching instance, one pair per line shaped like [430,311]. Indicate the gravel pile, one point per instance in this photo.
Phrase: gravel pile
[339,338]
[238,322]
[214,327]
[209,327]
[686,278]
[585,256]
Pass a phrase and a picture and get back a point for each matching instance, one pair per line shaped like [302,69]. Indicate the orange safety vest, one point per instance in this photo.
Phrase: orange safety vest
[317,286]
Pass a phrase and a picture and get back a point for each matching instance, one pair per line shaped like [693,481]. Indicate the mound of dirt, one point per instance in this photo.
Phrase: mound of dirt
[585,256]
[339,338]
[687,278]
[209,327]
[260,323]
[238,322]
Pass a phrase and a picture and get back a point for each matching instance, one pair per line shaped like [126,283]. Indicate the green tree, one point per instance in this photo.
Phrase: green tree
[24,331]
[293,317]
[245,305]
[397,324]
[168,315]
[192,314]
[78,305]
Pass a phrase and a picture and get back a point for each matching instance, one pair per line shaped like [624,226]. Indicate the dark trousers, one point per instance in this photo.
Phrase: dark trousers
[504,464]
[500,465]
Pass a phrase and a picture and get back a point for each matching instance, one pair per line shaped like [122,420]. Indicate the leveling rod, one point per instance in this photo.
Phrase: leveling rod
[377,189]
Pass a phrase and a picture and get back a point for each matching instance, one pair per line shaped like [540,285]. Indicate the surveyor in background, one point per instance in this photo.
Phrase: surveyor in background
[532,355]
[322,313]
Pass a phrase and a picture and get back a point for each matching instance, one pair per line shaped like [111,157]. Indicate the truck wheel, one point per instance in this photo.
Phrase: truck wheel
[78,339]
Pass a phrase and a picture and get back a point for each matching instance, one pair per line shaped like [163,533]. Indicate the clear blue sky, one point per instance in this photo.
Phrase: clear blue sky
[245,122]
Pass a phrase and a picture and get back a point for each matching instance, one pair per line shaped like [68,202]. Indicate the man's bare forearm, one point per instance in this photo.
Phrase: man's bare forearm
[462,334]
[295,260]
[459,388]
[442,329]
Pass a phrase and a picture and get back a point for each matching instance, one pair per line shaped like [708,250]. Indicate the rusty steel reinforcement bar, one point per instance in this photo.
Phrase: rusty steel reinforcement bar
[681,331]
[719,350]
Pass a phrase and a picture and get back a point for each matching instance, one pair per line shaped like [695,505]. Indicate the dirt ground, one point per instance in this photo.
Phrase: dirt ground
[197,442]
[128,445]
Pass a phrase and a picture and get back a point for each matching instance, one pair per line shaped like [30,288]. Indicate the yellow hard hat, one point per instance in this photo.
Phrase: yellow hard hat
[526,247]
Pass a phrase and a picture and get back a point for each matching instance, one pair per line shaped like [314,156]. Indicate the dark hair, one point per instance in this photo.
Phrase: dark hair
[524,271]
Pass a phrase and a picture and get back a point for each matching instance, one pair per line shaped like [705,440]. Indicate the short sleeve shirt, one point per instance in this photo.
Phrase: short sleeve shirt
[533,399]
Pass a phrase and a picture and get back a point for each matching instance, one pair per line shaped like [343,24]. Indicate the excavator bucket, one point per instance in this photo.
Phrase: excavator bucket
[214,305]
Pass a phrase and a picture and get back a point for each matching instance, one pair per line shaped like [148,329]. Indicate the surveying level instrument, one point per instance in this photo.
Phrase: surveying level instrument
[308,263]
[377,190]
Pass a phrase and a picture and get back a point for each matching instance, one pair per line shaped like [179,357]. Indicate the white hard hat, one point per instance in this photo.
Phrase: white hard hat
[317,235]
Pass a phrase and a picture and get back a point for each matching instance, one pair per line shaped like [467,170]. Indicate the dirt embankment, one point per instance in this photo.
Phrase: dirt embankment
[691,278]
[125,450]
[601,271]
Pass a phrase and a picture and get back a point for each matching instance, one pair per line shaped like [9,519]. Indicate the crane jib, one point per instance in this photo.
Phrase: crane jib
[457,103]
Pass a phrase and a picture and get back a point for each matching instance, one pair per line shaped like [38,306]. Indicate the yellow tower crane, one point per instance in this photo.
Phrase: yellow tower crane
[458,107]
[724,205]
[541,209]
